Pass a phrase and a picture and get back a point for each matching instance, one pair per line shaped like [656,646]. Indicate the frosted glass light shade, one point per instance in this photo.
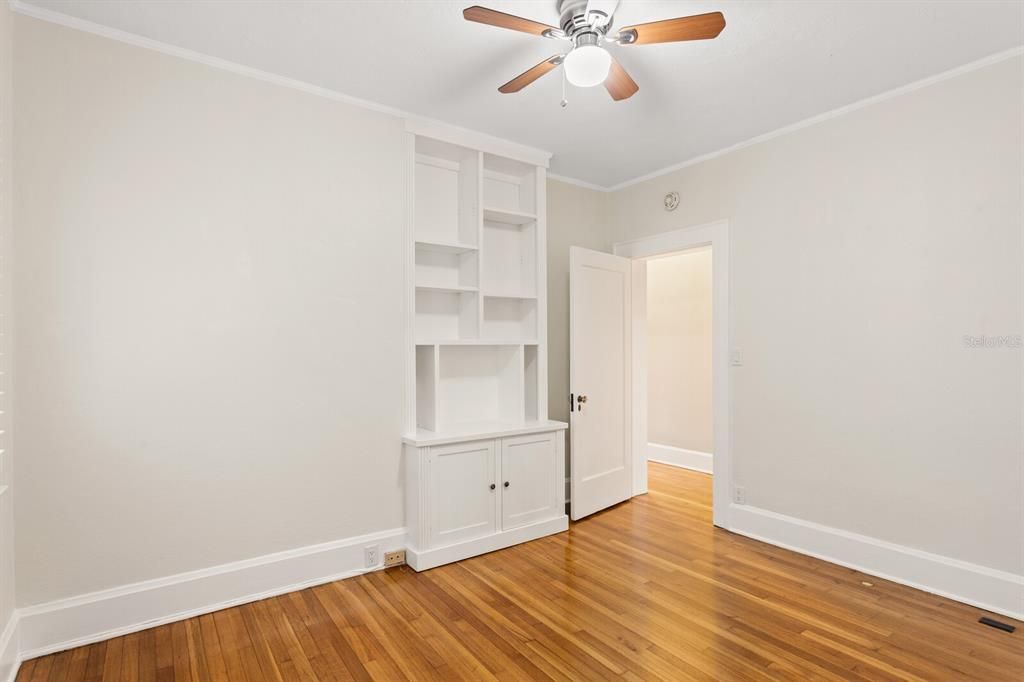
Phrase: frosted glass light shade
[587,66]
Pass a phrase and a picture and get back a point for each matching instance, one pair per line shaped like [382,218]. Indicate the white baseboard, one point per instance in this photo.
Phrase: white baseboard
[10,660]
[985,588]
[66,623]
[680,457]
[422,560]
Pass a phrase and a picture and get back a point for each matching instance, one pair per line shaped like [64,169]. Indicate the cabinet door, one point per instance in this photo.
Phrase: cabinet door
[530,479]
[463,499]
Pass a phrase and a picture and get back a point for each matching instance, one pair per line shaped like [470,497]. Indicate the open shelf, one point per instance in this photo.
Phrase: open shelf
[447,314]
[447,193]
[509,188]
[497,215]
[509,294]
[442,247]
[446,290]
[479,383]
[509,318]
[509,260]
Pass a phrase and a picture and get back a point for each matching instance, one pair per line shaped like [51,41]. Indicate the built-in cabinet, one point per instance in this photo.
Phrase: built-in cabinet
[482,455]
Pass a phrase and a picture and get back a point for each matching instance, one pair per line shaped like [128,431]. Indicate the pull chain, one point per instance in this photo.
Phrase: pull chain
[564,102]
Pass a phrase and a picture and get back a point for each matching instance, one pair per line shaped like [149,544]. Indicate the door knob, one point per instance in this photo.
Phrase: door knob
[580,400]
[492,486]
[506,484]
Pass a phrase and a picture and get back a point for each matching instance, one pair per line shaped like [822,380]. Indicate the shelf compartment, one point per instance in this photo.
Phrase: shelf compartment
[509,318]
[447,194]
[447,313]
[479,383]
[447,270]
[509,259]
[509,186]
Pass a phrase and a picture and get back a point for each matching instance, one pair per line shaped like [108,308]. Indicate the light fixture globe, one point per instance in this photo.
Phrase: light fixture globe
[587,65]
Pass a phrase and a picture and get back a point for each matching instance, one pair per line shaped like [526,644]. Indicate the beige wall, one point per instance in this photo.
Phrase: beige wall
[208,272]
[577,216]
[6,328]
[679,351]
[863,250]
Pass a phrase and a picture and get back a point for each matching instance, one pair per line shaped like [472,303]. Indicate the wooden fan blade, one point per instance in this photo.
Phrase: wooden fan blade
[530,75]
[619,84]
[492,17]
[697,27]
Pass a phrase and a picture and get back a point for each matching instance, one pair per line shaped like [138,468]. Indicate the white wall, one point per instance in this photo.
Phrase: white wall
[208,285]
[863,249]
[8,643]
[679,351]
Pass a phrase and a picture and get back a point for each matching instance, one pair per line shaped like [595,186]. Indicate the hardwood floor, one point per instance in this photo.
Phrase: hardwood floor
[647,590]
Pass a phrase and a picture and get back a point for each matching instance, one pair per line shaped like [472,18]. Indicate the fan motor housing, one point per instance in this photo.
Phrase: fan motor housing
[573,19]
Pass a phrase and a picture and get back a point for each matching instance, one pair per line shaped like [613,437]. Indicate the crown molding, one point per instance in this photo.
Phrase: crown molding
[27,9]
[538,156]
[834,113]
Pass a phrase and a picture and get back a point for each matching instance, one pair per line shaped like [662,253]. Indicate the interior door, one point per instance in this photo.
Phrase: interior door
[599,381]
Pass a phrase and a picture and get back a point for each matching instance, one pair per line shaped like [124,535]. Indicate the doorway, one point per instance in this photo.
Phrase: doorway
[713,238]
[679,339]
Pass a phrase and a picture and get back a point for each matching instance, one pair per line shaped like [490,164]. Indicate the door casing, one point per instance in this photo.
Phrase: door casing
[715,235]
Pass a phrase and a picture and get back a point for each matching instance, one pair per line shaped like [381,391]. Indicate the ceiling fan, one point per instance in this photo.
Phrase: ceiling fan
[586,23]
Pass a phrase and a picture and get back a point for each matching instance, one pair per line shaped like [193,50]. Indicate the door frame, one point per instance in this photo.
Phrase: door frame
[715,235]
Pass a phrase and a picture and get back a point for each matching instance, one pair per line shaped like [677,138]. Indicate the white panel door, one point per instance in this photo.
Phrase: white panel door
[599,356]
[529,479]
[463,492]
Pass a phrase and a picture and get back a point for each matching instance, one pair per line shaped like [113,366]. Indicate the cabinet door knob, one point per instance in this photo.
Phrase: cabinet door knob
[506,484]
[492,486]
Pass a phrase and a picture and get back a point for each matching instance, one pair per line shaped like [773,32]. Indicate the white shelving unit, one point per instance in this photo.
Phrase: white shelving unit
[484,464]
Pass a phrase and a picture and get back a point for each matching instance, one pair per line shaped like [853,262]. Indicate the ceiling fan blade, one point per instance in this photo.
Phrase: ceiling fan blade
[697,27]
[492,17]
[530,75]
[619,84]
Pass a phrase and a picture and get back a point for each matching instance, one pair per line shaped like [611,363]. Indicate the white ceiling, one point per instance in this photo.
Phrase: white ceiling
[775,63]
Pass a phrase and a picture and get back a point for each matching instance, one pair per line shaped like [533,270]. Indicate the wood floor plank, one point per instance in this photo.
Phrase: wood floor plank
[646,590]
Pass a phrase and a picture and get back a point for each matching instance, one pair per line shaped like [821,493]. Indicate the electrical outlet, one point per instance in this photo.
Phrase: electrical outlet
[372,555]
[739,495]
[396,558]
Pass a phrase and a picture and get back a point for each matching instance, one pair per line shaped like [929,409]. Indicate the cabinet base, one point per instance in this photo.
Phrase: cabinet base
[421,560]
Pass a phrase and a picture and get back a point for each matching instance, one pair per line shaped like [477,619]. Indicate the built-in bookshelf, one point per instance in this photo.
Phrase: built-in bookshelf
[478,313]
[484,467]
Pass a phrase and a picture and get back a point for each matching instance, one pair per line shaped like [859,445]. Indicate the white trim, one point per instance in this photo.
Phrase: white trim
[422,560]
[10,659]
[420,123]
[680,457]
[578,183]
[716,235]
[813,120]
[66,623]
[979,586]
